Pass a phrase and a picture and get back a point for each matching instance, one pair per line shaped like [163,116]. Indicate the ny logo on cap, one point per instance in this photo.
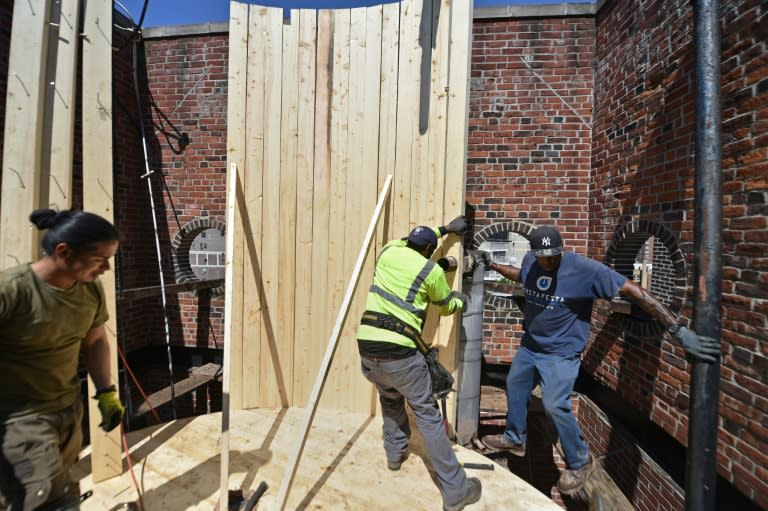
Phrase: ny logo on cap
[546,241]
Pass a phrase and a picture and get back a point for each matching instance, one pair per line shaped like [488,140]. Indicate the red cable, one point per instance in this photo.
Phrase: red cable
[138,386]
[130,467]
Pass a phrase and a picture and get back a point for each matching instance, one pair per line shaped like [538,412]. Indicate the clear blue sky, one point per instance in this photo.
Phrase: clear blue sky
[182,12]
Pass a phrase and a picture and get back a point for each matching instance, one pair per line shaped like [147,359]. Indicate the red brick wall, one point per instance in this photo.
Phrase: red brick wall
[187,96]
[532,159]
[529,135]
[643,168]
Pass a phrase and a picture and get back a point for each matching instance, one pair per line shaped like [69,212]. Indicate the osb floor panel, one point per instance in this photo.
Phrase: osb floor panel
[342,467]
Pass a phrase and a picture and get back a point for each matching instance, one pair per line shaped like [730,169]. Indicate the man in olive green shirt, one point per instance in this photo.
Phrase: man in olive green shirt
[50,310]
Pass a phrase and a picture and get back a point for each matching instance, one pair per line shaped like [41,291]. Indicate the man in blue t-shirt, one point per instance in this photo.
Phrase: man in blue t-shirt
[559,288]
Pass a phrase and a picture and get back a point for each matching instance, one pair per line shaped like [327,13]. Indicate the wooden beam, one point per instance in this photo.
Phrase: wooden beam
[228,316]
[311,408]
[22,146]
[145,292]
[98,192]
[60,103]
[198,376]
[236,155]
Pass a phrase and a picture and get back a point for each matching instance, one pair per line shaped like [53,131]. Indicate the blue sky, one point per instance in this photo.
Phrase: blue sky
[182,12]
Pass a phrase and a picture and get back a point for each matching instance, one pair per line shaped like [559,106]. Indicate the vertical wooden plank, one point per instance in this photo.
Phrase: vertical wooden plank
[324,83]
[236,111]
[23,132]
[388,110]
[458,107]
[253,316]
[408,102]
[355,190]
[234,277]
[432,181]
[456,157]
[337,273]
[433,189]
[305,333]
[60,103]
[362,180]
[271,373]
[286,227]
[229,284]
[97,198]
[423,195]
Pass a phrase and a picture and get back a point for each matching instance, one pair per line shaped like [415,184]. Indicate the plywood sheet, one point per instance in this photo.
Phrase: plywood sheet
[344,467]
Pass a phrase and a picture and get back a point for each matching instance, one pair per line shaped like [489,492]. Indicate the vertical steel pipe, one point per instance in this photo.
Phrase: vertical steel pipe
[470,357]
[701,457]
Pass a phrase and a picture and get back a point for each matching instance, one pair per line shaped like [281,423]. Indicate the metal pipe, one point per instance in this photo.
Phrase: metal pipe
[701,456]
[470,357]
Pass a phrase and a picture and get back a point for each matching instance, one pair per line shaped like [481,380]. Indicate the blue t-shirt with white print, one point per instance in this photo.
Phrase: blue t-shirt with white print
[558,305]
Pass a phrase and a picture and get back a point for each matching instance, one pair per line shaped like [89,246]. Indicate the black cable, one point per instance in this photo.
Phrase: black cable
[148,176]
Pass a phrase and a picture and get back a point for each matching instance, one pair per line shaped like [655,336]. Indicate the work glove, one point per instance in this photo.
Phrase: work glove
[484,258]
[458,225]
[702,348]
[110,407]
[463,297]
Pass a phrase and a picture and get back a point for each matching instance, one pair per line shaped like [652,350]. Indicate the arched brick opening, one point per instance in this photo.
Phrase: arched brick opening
[182,243]
[668,281]
[495,302]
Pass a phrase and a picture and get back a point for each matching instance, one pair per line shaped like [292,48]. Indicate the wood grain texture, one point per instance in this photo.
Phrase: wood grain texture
[98,190]
[345,467]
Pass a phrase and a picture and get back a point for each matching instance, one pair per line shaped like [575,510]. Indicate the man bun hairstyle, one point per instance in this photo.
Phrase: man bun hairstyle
[80,230]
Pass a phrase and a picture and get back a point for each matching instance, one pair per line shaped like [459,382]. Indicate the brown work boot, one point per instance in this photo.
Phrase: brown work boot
[474,490]
[571,481]
[502,443]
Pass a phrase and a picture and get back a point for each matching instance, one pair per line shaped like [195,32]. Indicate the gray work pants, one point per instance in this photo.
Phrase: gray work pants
[408,380]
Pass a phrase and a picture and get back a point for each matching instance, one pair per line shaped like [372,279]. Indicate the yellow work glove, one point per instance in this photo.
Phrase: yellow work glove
[110,407]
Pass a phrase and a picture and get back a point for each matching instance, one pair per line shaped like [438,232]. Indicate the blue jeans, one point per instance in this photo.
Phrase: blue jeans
[408,380]
[556,374]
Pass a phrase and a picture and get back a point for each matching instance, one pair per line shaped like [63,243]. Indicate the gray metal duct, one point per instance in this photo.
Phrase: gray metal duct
[470,357]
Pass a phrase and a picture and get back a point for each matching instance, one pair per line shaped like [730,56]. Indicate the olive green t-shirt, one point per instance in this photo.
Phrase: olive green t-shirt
[41,331]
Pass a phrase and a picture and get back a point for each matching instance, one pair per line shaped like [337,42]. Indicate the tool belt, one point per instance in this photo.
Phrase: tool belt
[442,381]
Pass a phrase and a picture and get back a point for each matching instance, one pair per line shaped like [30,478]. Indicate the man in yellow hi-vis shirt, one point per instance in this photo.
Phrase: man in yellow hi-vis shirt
[405,282]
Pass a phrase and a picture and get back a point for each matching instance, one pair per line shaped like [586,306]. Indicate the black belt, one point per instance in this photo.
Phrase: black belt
[393,324]
[379,358]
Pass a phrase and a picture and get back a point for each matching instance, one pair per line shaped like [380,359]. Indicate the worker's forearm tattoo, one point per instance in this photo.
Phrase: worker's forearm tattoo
[509,272]
[652,305]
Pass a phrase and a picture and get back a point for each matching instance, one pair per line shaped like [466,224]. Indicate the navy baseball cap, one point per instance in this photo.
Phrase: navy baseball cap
[546,242]
[422,236]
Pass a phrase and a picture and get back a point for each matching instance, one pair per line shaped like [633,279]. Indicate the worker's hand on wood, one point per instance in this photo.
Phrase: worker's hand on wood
[458,225]
[110,407]
[702,348]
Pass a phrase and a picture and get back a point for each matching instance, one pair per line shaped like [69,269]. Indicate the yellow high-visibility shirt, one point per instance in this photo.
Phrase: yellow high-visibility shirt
[404,284]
